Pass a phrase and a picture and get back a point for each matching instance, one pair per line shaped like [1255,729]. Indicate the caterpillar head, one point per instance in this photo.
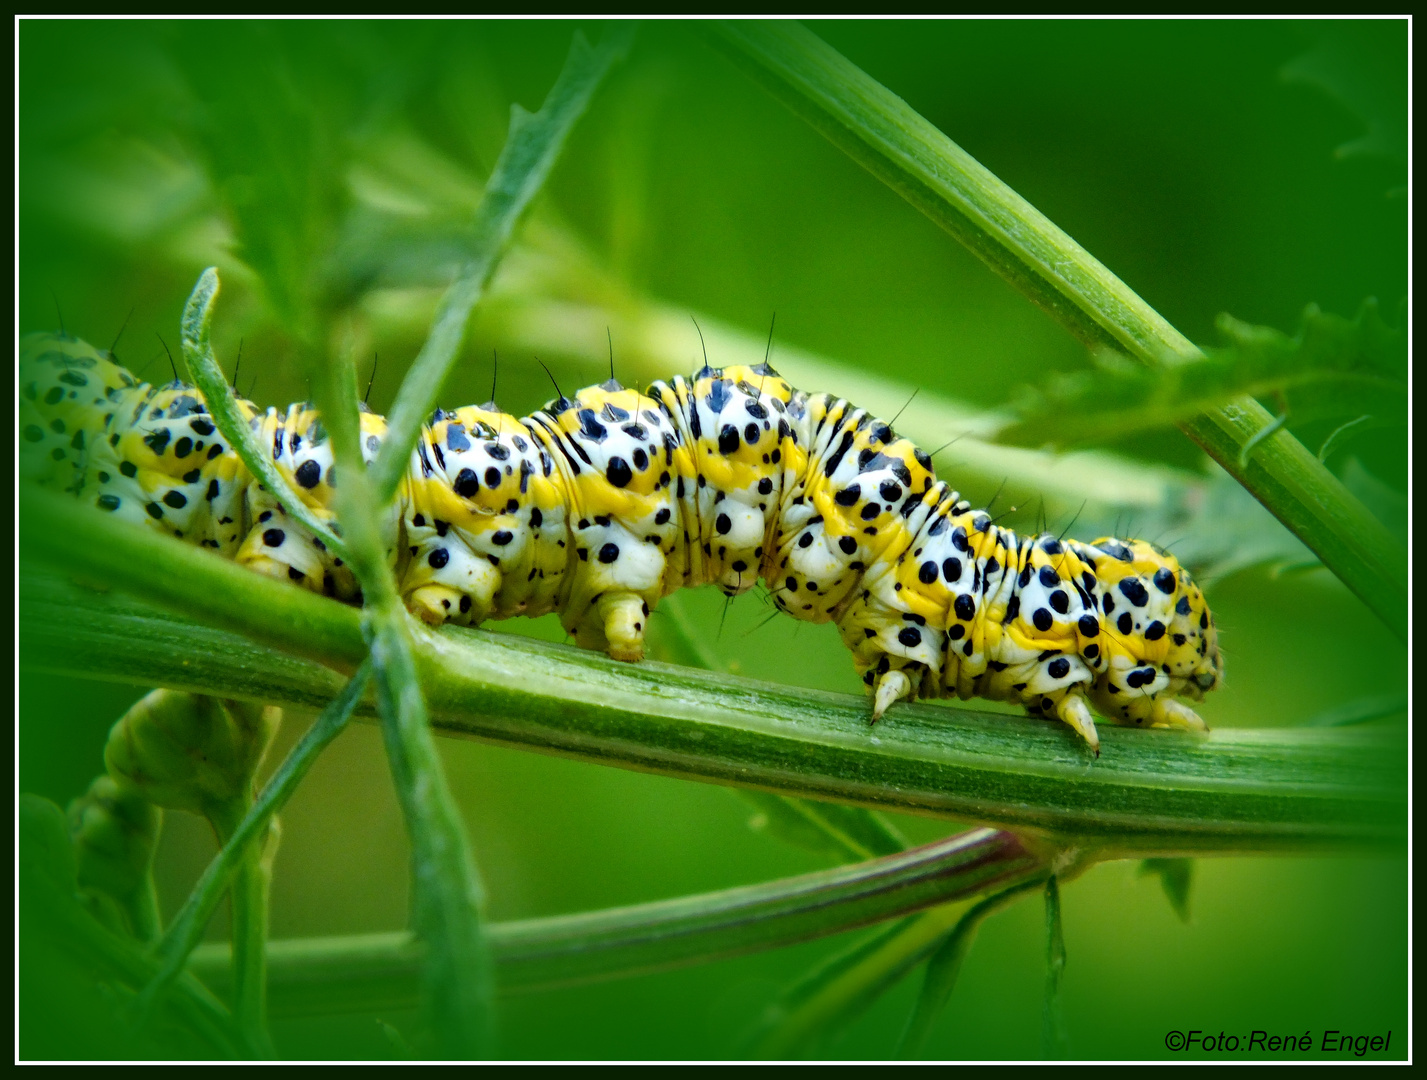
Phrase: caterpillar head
[1191,659]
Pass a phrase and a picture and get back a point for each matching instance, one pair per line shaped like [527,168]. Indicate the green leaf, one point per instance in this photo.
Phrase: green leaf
[831,994]
[885,135]
[846,833]
[1362,64]
[1333,368]
[270,116]
[945,966]
[1219,529]
[531,149]
[458,989]
[1176,876]
[459,981]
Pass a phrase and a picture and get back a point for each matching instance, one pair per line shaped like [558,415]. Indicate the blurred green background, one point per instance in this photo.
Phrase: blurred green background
[1247,167]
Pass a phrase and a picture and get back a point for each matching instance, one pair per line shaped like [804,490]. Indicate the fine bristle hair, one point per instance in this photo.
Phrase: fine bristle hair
[373,378]
[991,502]
[560,394]
[892,423]
[768,352]
[702,345]
[495,367]
[948,443]
[1065,531]
[169,354]
[238,363]
[122,327]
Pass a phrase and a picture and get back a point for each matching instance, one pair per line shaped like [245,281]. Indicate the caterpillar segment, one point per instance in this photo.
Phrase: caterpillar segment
[597,506]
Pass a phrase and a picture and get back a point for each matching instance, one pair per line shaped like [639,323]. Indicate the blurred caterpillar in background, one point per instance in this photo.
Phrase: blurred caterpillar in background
[596,506]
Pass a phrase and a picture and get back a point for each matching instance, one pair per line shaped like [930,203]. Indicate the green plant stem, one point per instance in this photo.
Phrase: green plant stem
[143,909]
[223,406]
[187,578]
[248,897]
[892,141]
[459,982]
[380,971]
[459,979]
[530,151]
[945,966]
[234,856]
[1151,793]
[1054,1043]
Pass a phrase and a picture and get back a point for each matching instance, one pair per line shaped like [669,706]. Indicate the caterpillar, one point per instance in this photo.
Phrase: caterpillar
[597,506]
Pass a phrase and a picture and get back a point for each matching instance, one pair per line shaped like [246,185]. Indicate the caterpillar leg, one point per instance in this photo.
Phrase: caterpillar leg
[623,615]
[1072,709]
[891,687]
[1171,713]
[614,624]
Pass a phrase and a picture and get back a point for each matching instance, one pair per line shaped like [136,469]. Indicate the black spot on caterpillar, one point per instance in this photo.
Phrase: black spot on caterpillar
[826,505]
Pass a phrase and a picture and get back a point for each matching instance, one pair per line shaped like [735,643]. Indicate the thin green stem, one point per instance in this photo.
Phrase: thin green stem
[248,897]
[381,971]
[1054,1043]
[233,857]
[530,151]
[143,909]
[223,406]
[945,966]
[459,981]
[887,137]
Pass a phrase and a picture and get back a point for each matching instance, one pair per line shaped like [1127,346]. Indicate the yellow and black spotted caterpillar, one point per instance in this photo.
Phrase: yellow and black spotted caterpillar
[598,506]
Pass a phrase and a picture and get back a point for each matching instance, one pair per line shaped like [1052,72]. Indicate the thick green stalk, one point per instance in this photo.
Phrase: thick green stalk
[530,151]
[380,971]
[187,578]
[1150,793]
[892,141]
